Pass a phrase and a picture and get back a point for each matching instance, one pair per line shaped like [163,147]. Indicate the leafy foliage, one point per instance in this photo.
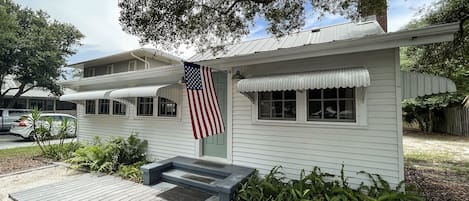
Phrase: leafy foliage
[212,24]
[132,172]
[318,186]
[109,156]
[34,47]
[449,59]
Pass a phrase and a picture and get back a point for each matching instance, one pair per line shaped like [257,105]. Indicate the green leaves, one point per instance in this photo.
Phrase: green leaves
[213,24]
[34,47]
[318,186]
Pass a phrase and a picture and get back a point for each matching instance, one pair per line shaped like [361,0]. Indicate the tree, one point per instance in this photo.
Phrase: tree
[449,59]
[211,24]
[37,48]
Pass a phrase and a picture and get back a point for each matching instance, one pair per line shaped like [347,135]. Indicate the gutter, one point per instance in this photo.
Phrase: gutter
[147,64]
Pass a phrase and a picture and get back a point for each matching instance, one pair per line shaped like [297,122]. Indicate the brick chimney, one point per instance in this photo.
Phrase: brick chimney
[383,20]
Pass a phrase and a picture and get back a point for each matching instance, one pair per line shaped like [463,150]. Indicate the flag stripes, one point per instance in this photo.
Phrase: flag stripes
[203,103]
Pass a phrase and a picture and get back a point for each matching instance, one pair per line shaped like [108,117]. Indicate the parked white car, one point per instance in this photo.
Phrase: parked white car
[24,126]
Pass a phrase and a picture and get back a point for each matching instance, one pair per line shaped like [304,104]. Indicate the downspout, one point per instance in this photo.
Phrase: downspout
[147,64]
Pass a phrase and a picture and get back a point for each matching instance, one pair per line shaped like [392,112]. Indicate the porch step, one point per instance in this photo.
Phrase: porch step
[191,179]
[215,178]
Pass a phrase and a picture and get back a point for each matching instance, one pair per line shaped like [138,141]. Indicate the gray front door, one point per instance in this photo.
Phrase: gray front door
[216,145]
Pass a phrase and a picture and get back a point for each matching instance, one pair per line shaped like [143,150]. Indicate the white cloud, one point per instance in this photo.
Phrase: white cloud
[97,20]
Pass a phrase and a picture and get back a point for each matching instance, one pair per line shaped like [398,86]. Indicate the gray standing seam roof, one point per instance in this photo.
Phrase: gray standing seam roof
[314,36]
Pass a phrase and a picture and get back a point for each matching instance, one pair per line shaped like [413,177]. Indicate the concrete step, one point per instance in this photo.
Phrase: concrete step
[191,179]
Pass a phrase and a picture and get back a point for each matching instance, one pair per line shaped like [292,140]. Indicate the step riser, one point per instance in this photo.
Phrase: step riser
[189,183]
[201,170]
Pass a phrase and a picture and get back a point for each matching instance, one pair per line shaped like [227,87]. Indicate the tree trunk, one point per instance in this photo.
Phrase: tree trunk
[14,99]
[430,120]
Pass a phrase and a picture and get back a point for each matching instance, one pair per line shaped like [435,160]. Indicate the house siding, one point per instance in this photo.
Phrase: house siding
[373,148]
[167,137]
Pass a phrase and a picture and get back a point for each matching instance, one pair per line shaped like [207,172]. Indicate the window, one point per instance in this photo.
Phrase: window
[166,107]
[118,108]
[110,69]
[277,105]
[36,103]
[103,106]
[90,72]
[132,65]
[90,107]
[144,106]
[337,104]
[50,105]
[63,105]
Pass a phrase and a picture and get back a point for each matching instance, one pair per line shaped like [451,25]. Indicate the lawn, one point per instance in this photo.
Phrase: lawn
[437,164]
[22,158]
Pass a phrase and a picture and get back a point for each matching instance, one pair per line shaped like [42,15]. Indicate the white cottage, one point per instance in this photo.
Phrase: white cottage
[322,97]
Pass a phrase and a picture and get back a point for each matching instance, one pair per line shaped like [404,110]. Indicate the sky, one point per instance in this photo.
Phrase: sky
[98,21]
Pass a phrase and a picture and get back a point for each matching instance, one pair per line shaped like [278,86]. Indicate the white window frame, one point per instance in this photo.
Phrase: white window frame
[158,113]
[336,99]
[108,107]
[112,108]
[86,107]
[283,105]
[91,72]
[132,65]
[110,69]
[301,113]
[137,107]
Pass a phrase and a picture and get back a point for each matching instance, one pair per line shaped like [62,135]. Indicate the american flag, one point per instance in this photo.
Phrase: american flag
[203,103]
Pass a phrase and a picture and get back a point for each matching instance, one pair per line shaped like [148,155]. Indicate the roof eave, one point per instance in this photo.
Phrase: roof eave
[432,34]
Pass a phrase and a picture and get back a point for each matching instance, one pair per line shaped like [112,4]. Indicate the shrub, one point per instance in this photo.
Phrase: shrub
[131,172]
[317,186]
[108,156]
[61,151]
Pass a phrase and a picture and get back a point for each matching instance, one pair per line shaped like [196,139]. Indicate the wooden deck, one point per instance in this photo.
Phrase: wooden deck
[92,187]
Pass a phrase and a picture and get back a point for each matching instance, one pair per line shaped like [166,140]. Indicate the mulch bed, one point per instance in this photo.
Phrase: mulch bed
[438,184]
[15,164]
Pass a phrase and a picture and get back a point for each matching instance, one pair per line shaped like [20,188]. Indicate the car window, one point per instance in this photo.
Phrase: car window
[17,112]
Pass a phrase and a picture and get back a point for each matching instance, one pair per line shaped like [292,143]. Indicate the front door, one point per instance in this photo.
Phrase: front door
[216,145]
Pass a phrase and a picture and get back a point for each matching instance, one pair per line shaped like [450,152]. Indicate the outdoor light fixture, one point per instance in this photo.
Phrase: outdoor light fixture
[238,76]
[182,80]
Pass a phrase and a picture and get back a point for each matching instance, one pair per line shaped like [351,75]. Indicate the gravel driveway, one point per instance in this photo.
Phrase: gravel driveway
[46,175]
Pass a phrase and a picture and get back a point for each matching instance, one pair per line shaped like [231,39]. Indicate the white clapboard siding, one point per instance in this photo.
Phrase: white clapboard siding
[372,148]
[166,137]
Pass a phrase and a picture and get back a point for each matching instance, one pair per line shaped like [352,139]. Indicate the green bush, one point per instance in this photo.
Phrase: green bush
[61,151]
[317,186]
[108,156]
[132,172]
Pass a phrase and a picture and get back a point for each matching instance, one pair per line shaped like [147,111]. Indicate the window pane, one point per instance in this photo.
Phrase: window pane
[330,93]
[290,109]
[347,109]
[290,95]
[264,110]
[277,95]
[315,94]
[264,96]
[277,109]
[345,93]
[314,110]
[330,109]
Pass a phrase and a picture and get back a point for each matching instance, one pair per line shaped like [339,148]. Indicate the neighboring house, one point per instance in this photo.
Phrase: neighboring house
[322,97]
[36,97]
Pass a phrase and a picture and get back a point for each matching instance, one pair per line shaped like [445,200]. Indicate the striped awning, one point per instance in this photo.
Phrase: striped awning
[86,95]
[415,84]
[337,78]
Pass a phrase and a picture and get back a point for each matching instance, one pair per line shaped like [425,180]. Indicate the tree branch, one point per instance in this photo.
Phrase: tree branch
[9,89]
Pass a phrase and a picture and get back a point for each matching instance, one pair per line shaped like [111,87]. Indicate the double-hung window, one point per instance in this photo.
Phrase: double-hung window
[336,104]
[166,107]
[277,105]
[90,107]
[132,65]
[103,106]
[144,106]
[110,69]
[118,108]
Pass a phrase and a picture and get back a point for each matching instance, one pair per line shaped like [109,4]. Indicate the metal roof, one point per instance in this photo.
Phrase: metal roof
[308,37]
[150,52]
[336,78]
[415,84]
